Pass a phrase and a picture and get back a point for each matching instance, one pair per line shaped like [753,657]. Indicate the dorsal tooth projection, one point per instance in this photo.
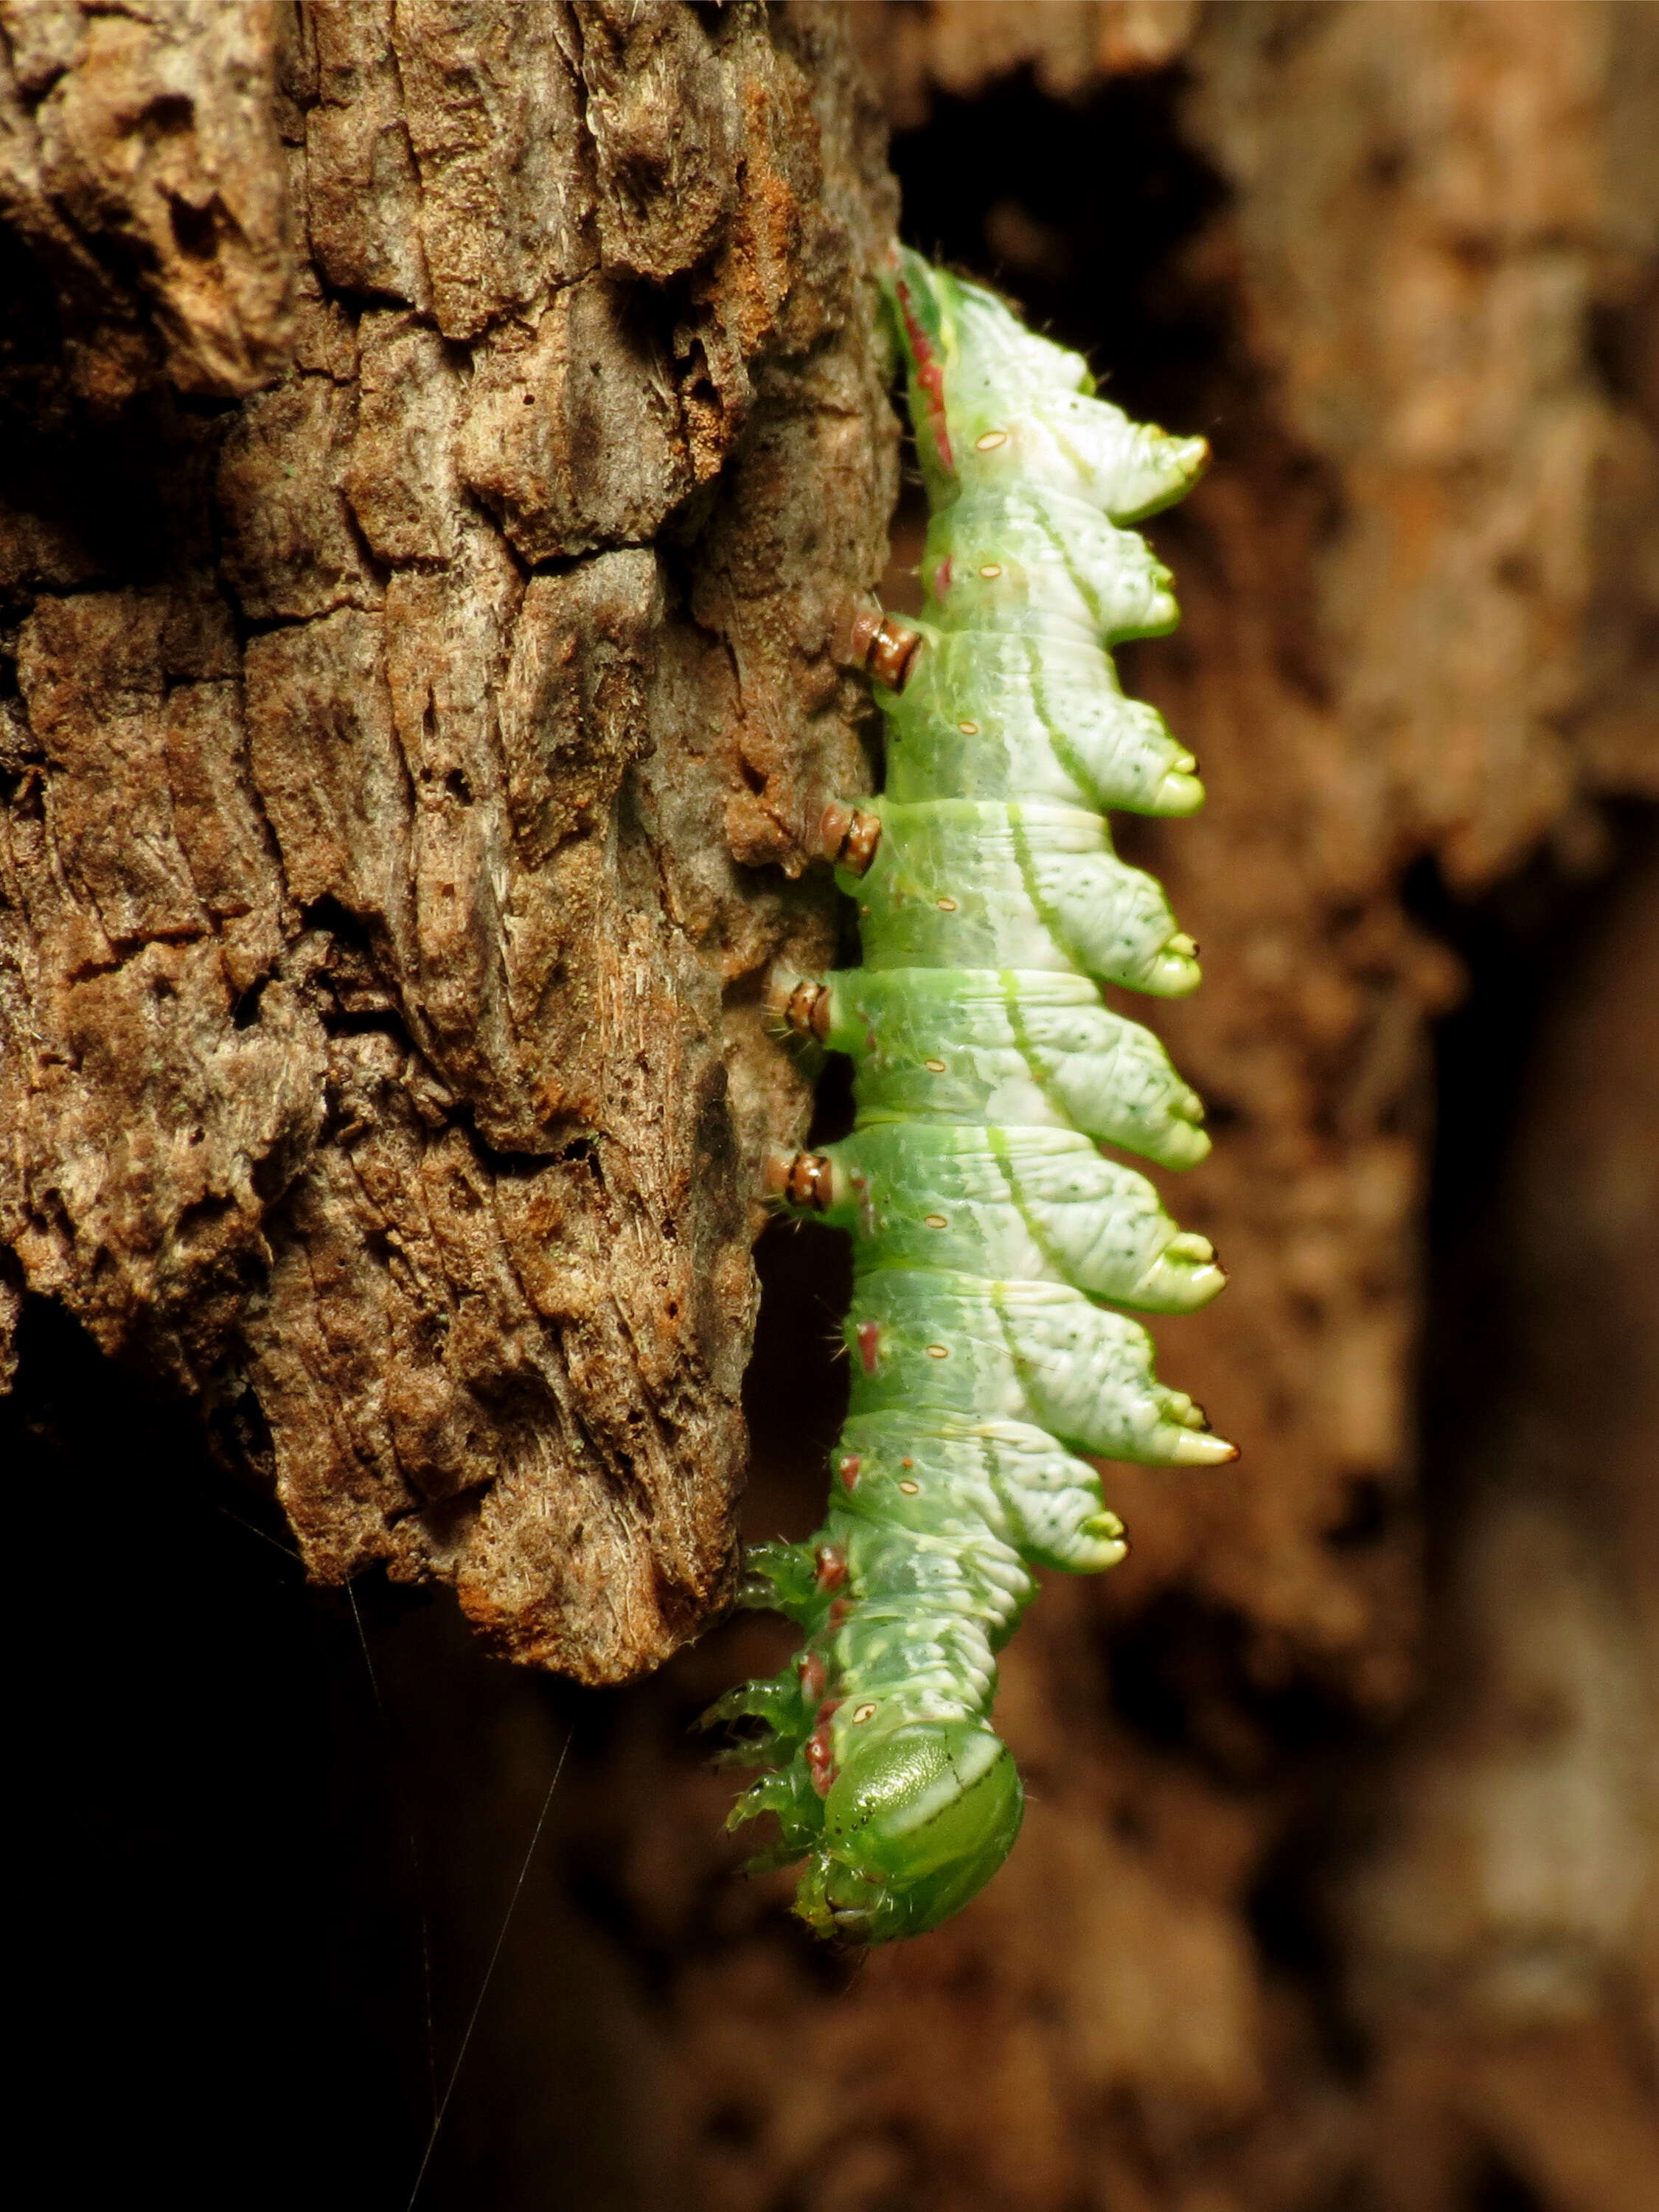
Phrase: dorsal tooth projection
[994,1240]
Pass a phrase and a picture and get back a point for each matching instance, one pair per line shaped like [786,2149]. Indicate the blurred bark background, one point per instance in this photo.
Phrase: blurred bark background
[1340,1879]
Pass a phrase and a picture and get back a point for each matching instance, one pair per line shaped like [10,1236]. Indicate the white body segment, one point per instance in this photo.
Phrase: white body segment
[961,882]
[1039,721]
[1035,1352]
[1028,1205]
[1014,1050]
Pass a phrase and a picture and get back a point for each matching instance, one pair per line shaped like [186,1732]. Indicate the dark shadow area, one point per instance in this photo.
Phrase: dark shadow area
[219,1935]
[1522,946]
[1181,1679]
[1500,2189]
[265,1888]
[1059,240]
[265,1884]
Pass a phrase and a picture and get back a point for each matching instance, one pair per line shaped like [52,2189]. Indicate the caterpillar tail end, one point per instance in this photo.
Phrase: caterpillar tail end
[914,1823]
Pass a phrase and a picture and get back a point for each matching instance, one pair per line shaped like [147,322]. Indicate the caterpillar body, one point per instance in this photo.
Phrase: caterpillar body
[993,1239]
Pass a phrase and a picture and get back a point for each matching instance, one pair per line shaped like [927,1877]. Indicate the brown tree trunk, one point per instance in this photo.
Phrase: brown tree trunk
[438,439]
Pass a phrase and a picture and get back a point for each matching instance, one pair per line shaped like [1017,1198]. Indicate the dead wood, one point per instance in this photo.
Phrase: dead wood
[439,440]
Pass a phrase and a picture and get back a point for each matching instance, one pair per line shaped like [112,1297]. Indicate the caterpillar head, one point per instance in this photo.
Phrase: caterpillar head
[992,403]
[915,1823]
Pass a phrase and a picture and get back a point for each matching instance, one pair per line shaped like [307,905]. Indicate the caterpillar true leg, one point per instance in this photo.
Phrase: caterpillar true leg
[992,1240]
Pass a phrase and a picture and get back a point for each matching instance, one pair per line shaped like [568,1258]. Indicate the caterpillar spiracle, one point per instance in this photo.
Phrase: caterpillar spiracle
[994,1241]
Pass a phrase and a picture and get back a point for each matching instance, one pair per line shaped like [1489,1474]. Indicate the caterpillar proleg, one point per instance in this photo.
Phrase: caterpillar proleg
[994,1241]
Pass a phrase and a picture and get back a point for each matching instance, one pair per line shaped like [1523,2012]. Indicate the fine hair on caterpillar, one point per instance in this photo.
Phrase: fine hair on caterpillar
[996,1241]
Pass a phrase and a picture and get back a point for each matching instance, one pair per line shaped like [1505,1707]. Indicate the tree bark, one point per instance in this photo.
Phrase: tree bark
[439,436]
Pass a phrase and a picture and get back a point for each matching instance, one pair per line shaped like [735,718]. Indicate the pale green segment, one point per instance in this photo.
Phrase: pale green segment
[1030,718]
[960,883]
[969,1483]
[1013,1050]
[937,1520]
[938,1526]
[1077,444]
[915,1823]
[1027,1205]
[1035,1352]
[1020,563]
[925,1639]
[1036,401]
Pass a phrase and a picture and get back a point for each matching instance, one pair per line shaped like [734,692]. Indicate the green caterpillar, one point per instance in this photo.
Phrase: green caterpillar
[992,1238]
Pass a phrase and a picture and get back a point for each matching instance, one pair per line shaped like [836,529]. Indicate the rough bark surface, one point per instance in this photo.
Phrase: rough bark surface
[440,436]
